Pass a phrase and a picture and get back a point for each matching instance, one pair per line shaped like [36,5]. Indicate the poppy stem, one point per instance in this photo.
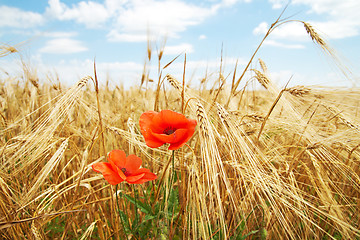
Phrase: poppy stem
[162,179]
[135,196]
[173,168]
[118,210]
[172,180]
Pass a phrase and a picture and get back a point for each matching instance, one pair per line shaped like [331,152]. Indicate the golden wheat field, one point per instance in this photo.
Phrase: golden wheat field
[276,163]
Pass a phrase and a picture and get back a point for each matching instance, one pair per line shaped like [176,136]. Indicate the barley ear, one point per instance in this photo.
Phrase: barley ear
[314,35]
[262,78]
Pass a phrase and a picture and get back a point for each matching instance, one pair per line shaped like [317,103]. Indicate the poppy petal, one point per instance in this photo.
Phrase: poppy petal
[132,164]
[174,119]
[121,174]
[146,122]
[177,145]
[118,158]
[147,117]
[108,172]
[160,123]
[152,141]
[191,124]
[177,136]
[147,126]
[166,127]
[149,176]
[153,144]
[167,119]
[134,178]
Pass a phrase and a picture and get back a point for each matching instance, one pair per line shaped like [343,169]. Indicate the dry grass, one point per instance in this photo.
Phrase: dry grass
[281,160]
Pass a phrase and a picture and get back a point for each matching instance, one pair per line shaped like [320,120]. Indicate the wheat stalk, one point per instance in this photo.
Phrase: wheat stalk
[87,234]
[46,170]
[341,117]
[36,232]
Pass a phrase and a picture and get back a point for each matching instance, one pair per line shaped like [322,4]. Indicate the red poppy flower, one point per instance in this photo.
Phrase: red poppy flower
[121,168]
[166,127]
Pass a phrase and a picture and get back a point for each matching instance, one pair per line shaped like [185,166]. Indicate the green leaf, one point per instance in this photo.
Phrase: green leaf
[173,202]
[145,229]
[145,208]
[135,223]
[157,208]
[240,229]
[125,222]
[149,217]
[248,234]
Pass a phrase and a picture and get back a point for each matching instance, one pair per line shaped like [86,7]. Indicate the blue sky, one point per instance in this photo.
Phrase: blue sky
[64,36]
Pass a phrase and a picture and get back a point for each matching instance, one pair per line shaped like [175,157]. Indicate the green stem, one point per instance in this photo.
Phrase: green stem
[117,202]
[135,196]
[172,180]
[161,181]
[173,168]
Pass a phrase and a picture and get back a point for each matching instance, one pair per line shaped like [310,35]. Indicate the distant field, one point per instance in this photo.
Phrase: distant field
[262,164]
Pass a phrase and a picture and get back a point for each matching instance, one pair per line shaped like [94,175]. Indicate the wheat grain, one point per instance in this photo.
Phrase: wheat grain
[314,35]
[201,118]
[263,66]
[46,170]
[298,91]
[262,78]
[6,50]
[175,83]
[341,117]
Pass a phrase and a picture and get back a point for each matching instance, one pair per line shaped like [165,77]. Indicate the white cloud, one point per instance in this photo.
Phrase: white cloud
[337,29]
[202,37]
[276,4]
[90,13]
[229,3]
[288,31]
[71,71]
[327,79]
[343,16]
[14,17]
[161,18]
[115,36]
[177,49]
[346,9]
[58,34]
[342,19]
[291,30]
[133,20]
[201,67]
[261,29]
[283,45]
[214,64]
[63,46]
[198,69]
